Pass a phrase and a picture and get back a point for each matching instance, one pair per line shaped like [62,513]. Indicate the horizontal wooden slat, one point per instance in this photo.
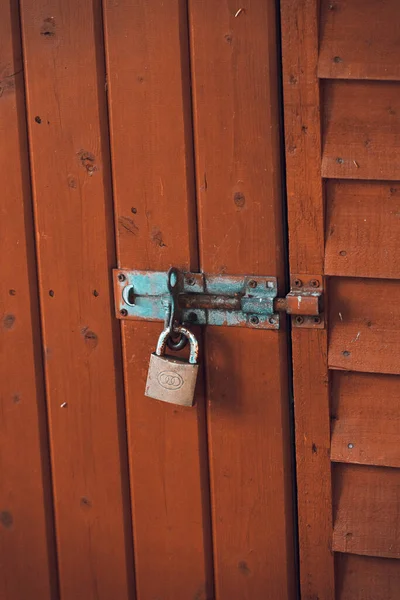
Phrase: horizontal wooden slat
[360,39]
[365,419]
[363,229]
[364,322]
[366,578]
[366,504]
[361,128]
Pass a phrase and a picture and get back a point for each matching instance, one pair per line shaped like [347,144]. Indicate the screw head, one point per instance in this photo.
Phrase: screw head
[123,312]
[314,283]
[271,321]
[190,281]
[298,282]
[254,320]
[121,277]
[252,283]
[317,320]
[299,320]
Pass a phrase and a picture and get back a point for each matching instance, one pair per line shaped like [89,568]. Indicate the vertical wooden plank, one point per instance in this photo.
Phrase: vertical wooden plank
[74,229]
[149,100]
[234,67]
[27,557]
[300,21]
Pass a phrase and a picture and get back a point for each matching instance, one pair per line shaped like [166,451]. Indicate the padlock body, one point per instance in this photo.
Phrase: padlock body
[172,380]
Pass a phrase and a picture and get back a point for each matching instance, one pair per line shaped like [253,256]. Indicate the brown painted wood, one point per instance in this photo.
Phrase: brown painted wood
[361,130]
[366,501]
[365,419]
[236,123]
[363,229]
[306,217]
[27,545]
[74,231]
[149,102]
[364,325]
[302,135]
[366,578]
[360,39]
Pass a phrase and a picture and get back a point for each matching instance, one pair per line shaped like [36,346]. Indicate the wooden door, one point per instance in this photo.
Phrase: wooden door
[140,134]
[341,98]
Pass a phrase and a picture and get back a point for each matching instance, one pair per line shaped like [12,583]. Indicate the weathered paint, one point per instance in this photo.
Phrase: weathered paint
[233,301]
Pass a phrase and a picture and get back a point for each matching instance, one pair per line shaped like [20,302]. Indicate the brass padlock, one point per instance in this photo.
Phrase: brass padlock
[172,379]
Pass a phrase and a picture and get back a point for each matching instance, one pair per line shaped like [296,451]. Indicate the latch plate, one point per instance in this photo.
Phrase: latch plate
[305,301]
[228,300]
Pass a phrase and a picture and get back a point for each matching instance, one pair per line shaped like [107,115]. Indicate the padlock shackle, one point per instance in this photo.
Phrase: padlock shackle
[194,344]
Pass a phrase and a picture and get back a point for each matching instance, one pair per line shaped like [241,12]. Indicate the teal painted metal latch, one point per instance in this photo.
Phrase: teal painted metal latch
[202,299]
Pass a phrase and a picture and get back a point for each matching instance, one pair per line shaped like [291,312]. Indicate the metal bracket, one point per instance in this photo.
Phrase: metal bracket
[228,300]
[305,301]
[233,301]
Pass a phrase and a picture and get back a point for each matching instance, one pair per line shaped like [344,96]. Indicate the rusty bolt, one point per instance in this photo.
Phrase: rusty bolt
[121,277]
[298,282]
[314,283]
[191,281]
[252,283]
[123,312]
[299,320]
[317,320]
[254,320]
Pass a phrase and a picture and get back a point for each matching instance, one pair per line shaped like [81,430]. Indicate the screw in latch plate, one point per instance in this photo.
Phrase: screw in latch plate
[121,277]
[123,312]
[299,320]
[298,283]
[253,283]
[254,320]
[191,281]
[317,320]
[314,283]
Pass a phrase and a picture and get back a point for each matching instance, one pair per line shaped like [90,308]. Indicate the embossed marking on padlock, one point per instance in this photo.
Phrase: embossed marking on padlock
[173,379]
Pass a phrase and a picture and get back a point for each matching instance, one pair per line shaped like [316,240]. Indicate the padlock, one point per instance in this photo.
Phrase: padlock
[172,379]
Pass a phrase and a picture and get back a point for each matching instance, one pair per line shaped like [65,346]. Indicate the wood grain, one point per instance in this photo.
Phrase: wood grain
[236,124]
[365,419]
[27,544]
[366,578]
[152,150]
[71,183]
[314,493]
[301,95]
[360,39]
[364,325]
[361,130]
[365,502]
[363,229]
[305,198]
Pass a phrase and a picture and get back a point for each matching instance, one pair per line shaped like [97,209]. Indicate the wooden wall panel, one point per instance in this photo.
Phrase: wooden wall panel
[361,130]
[365,504]
[365,421]
[74,231]
[366,578]
[152,150]
[306,216]
[360,39]
[236,123]
[27,545]
[364,325]
[363,228]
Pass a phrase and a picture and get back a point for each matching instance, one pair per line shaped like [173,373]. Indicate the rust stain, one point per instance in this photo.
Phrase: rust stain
[8,321]
[128,224]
